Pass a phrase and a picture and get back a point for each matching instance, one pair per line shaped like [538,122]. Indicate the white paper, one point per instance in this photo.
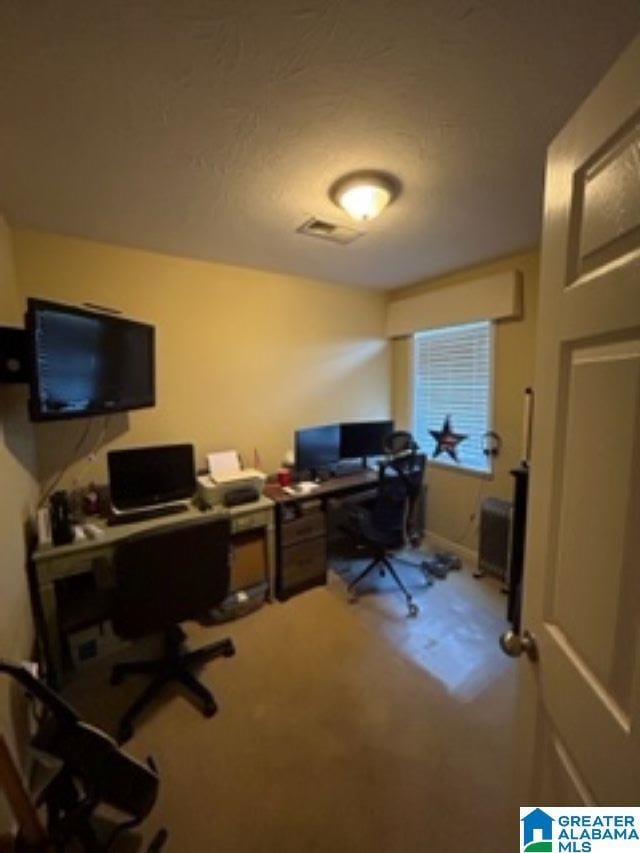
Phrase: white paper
[223,463]
[303,488]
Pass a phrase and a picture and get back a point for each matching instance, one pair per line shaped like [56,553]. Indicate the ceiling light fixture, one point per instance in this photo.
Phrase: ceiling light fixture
[364,195]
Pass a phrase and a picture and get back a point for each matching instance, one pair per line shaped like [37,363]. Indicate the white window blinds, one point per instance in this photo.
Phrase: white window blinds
[452,378]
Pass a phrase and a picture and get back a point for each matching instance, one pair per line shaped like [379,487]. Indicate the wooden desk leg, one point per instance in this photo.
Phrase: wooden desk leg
[270,531]
[52,639]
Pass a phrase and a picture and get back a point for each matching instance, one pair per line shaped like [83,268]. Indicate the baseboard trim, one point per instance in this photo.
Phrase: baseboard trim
[441,543]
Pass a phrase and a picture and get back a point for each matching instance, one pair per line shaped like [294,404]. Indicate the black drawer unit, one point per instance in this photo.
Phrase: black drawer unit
[302,549]
[302,531]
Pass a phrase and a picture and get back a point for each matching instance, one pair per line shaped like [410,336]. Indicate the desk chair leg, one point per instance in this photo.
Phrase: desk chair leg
[354,583]
[385,565]
[192,684]
[223,648]
[125,729]
[176,665]
[412,608]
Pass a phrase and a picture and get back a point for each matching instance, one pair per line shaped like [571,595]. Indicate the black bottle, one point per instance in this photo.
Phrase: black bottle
[60,512]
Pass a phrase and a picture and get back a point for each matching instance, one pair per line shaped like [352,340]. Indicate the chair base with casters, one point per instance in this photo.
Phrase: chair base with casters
[384,565]
[177,664]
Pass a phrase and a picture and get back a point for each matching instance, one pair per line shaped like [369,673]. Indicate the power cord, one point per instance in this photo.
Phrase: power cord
[473,521]
[91,456]
[84,433]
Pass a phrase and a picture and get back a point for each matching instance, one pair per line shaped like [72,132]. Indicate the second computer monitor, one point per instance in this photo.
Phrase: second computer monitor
[364,438]
[317,448]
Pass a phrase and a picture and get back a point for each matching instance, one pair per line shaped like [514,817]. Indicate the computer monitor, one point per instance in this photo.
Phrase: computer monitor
[364,438]
[151,476]
[317,448]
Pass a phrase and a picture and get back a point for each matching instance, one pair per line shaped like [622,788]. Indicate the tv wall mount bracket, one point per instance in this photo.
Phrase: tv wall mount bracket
[14,355]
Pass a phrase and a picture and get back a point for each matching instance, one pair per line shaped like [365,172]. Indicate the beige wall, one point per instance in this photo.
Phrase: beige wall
[17,497]
[455,495]
[243,357]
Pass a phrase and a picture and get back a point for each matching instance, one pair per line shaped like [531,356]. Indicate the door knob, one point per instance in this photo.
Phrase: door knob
[514,645]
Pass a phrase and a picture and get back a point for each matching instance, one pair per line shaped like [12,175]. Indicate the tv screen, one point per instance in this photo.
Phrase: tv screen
[86,363]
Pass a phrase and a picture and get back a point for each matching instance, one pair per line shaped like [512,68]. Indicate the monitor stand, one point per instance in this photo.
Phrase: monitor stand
[117,516]
[349,467]
[319,475]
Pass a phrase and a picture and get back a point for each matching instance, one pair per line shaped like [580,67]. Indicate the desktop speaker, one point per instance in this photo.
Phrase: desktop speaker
[14,355]
[60,513]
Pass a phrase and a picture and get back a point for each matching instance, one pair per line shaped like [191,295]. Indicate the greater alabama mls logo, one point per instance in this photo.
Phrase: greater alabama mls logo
[579,830]
[537,832]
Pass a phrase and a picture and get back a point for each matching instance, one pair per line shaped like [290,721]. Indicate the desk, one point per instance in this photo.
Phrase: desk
[301,530]
[50,564]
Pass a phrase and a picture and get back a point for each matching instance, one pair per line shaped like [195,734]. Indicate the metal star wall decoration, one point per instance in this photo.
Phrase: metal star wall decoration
[447,440]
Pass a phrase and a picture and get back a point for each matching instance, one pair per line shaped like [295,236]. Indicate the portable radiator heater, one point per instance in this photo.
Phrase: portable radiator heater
[494,552]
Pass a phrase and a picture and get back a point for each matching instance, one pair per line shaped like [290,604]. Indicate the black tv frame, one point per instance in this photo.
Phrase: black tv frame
[35,412]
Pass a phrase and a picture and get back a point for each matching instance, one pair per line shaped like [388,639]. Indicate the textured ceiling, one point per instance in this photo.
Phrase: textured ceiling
[213,129]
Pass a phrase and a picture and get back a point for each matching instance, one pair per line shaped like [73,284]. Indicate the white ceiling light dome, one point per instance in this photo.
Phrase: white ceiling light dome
[364,195]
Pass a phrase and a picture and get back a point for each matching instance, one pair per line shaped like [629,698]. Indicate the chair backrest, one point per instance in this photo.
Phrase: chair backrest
[399,488]
[399,442]
[170,574]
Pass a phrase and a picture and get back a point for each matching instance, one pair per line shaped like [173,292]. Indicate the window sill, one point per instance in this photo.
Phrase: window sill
[461,469]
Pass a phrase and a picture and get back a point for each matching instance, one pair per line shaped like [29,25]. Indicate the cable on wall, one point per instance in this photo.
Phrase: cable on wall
[74,453]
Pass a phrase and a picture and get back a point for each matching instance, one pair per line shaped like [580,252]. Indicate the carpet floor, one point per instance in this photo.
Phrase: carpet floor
[342,727]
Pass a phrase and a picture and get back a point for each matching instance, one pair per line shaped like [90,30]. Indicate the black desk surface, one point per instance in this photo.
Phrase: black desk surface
[330,488]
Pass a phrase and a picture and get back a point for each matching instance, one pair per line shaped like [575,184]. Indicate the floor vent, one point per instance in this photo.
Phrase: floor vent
[328,231]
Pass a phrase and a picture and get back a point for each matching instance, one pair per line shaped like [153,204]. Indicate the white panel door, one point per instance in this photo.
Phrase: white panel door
[580,702]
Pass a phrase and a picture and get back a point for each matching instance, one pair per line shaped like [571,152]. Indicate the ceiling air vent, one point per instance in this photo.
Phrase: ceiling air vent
[328,231]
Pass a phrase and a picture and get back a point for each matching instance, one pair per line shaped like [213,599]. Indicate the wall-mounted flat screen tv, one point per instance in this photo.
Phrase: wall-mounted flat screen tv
[86,363]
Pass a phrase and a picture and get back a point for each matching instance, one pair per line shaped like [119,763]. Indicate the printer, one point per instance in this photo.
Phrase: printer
[227,482]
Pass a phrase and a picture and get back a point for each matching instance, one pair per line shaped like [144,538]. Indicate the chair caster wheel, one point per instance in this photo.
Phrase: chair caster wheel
[210,709]
[229,651]
[125,732]
[413,610]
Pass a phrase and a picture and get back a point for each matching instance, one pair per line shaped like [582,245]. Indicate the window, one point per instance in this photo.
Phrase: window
[452,377]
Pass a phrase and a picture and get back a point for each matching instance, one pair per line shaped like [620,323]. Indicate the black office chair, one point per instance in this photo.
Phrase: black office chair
[382,530]
[163,577]
[90,771]
[399,443]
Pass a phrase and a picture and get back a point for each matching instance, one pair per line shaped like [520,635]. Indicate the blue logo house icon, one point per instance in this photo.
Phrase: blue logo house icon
[538,832]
